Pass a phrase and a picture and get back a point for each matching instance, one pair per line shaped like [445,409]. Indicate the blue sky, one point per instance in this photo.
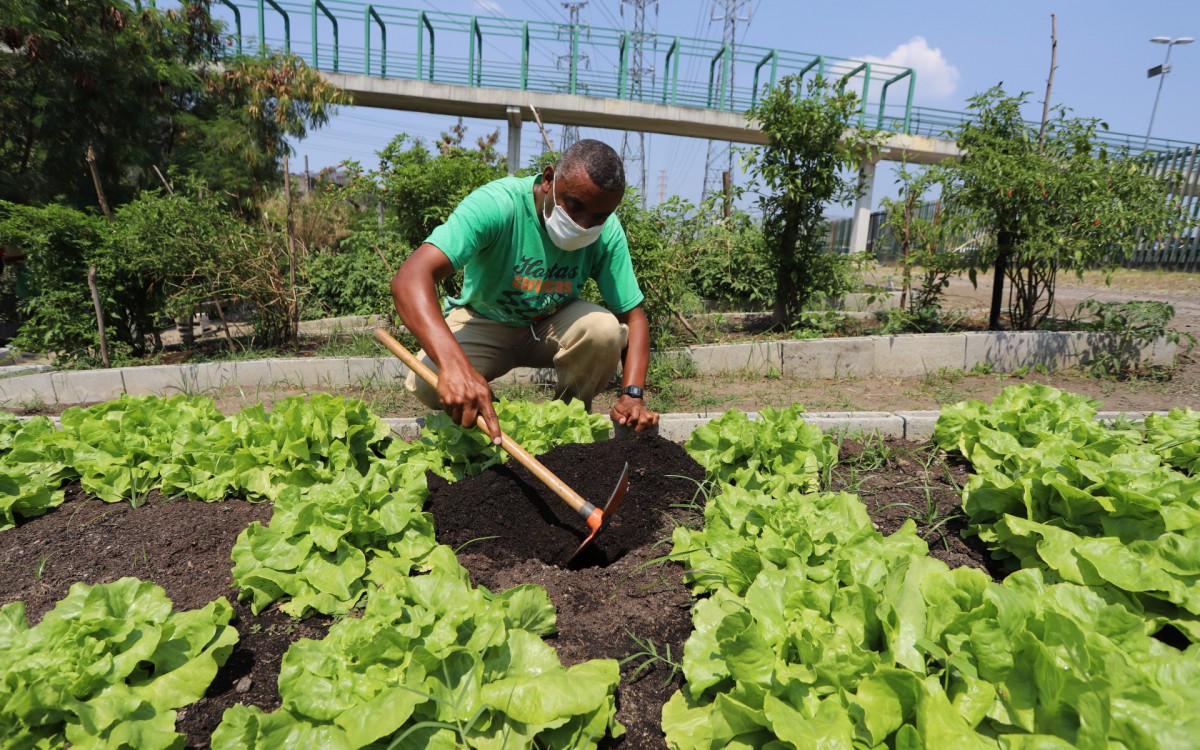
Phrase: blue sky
[958,48]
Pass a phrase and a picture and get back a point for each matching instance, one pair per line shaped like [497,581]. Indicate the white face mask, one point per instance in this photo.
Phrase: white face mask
[563,231]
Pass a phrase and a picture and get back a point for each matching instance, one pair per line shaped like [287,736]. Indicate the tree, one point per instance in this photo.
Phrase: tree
[235,133]
[1066,203]
[415,190]
[800,171]
[142,88]
[920,232]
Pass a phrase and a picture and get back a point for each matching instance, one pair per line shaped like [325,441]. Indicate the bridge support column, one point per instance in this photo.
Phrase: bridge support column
[860,231]
[514,140]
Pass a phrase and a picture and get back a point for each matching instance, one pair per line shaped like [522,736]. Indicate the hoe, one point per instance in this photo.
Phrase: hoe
[596,518]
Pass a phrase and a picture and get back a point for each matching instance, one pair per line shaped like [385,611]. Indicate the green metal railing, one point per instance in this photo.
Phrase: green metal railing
[530,56]
[548,57]
[938,123]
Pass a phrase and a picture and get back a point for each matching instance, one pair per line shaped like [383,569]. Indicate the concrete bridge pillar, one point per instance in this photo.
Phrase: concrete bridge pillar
[514,140]
[861,229]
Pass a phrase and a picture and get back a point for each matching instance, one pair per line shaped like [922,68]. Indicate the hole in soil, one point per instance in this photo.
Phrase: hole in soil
[508,515]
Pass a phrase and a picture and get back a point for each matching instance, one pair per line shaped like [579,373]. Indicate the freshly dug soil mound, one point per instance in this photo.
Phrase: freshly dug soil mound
[619,598]
[508,515]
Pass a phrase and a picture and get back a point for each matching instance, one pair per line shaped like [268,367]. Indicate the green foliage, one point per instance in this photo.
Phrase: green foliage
[432,659]
[814,630]
[1135,325]
[138,85]
[660,260]
[162,258]
[333,521]
[779,450]
[416,189]
[107,667]
[731,263]
[235,133]
[1176,437]
[32,470]
[420,187]
[1055,490]
[1062,202]
[92,73]
[353,278]
[798,173]
[434,662]
[58,243]
[927,246]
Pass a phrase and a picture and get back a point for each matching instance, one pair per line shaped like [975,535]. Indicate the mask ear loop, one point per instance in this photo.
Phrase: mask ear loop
[553,200]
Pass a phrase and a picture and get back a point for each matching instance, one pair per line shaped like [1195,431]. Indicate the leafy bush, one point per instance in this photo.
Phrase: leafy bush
[353,278]
[1134,324]
[801,170]
[731,262]
[58,243]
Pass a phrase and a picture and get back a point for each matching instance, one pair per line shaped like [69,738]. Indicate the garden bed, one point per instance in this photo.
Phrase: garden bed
[509,530]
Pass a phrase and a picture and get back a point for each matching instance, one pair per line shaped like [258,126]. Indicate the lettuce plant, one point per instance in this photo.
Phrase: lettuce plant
[107,667]
[433,663]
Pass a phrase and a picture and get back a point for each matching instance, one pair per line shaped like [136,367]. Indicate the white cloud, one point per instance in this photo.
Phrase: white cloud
[488,6]
[936,78]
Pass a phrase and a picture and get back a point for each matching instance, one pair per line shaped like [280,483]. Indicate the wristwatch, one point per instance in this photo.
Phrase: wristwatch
[633,391]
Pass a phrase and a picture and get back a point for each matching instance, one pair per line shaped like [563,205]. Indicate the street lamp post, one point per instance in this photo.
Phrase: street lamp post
[1161,71]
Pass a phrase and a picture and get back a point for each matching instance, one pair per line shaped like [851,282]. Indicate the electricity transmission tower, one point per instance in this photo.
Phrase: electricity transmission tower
[570,133]
[720,155]
[633,145]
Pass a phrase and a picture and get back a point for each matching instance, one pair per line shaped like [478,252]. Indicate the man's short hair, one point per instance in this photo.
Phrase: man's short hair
[602,163]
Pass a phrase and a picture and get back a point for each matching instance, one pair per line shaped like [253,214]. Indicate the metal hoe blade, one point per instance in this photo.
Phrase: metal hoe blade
[599,520]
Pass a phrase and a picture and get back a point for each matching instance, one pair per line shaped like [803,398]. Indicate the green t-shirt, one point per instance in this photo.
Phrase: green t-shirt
[512,272]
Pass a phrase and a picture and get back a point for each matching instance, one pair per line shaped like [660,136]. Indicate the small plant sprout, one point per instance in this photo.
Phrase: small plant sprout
[649,656]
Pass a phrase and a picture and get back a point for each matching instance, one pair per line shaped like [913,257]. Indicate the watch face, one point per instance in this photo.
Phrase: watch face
[633,391]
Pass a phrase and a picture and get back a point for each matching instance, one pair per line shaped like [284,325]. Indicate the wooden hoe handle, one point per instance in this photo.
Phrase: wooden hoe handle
[547,477]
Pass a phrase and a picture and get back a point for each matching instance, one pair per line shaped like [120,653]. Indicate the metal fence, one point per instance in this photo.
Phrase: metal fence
[347,36]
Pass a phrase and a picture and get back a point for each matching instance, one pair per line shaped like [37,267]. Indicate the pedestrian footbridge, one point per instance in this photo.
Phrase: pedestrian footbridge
[509,69]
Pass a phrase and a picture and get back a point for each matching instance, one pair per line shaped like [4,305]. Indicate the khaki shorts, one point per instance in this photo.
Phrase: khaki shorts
[582,342]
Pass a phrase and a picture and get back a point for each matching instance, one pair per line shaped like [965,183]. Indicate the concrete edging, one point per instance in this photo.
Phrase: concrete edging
[903,356]
[904,425]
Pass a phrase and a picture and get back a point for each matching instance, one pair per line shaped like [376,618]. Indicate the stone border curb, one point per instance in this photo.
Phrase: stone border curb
[906,356]
[905,425]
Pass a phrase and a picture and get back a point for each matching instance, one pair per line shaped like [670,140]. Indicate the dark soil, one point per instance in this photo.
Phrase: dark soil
[901,479]
[183,547]
[511,530]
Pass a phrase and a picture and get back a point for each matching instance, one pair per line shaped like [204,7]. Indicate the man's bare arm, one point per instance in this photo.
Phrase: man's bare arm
[462,390]
[629,411]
